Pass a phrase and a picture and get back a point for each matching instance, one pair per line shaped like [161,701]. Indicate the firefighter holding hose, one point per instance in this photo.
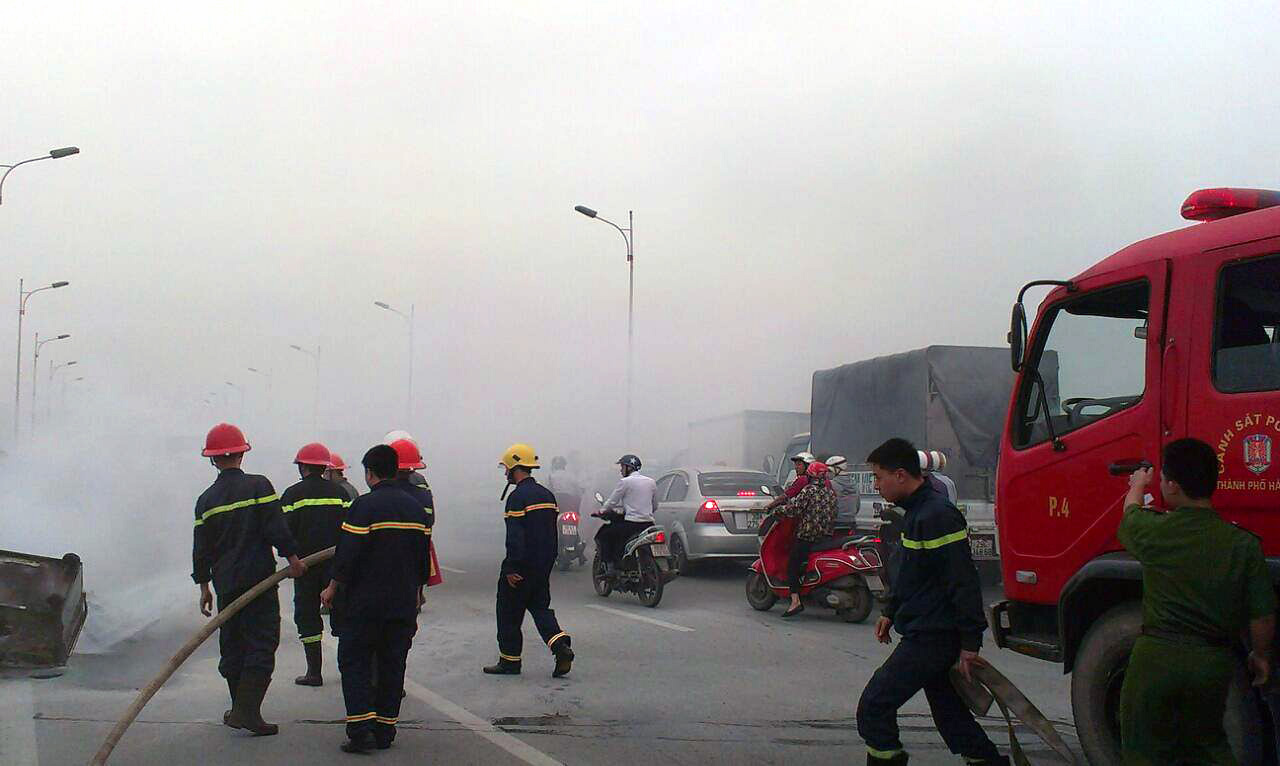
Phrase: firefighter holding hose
[237,523]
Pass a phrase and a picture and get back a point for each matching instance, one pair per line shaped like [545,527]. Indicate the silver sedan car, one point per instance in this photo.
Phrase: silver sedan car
[713,512]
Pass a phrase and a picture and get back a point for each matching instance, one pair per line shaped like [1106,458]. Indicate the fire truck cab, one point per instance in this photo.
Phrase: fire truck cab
[1174,336]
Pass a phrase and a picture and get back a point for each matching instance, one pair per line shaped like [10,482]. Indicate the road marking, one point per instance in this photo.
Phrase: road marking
[451,569]
[17,724]
[642,618]
[470,721]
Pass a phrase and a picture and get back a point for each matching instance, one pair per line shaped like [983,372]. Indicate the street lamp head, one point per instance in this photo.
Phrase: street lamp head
[588,212]
[381,305]
[253,369]
[296,347]
[77,380]
[59,284]
[65,151]
[229,383]
[68,364]
[63,336]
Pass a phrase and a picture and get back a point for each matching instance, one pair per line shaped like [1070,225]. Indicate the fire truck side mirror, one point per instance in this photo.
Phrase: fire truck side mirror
[1017,335]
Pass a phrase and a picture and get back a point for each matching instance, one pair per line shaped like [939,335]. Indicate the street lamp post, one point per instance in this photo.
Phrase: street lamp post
[23,296]
[53,369]
[54,154]
[408,407]
[266,374]
[315,410]
[35,372]
[238,390]
[628,236]
[64,389]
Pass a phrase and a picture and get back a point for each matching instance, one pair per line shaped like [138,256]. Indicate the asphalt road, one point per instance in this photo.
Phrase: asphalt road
[702,679]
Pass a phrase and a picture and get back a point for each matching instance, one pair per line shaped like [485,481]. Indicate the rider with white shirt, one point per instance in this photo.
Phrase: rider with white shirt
[630,510]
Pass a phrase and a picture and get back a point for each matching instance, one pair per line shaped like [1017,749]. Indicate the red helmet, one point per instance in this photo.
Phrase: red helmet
[224,439]
[314,453]
[817,469]
[407,451]
[336,462]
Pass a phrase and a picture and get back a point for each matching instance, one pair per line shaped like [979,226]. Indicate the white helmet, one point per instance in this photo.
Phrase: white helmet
[837,464]
[395,436]
[931,460]
[807,457]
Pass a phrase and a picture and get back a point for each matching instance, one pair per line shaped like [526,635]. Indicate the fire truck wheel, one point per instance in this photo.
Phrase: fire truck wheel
[1096,680]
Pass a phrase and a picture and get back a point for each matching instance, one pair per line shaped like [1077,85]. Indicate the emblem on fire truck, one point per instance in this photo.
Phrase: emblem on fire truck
[1257,453]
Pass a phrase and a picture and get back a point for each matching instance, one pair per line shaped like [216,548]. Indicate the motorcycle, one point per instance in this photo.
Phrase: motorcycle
[571,546]
[843,573]
[647,564]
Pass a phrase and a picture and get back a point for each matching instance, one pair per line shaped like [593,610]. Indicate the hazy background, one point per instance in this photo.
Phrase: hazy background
[814,183]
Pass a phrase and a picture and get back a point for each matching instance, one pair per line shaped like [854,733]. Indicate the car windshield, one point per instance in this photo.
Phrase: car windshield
[735,484]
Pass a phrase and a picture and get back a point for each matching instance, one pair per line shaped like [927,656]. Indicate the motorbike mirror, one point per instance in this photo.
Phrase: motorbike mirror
[600,498]
[766,490]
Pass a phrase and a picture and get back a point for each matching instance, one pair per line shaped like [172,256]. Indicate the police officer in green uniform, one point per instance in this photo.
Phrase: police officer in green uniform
[1203,581]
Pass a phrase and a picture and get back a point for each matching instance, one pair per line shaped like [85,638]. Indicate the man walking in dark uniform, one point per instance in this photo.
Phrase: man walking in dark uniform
[237,522]
[525,582]
[313,508]
[936,605]
[1204,581]
[380,567]
[410,461]
[337,475]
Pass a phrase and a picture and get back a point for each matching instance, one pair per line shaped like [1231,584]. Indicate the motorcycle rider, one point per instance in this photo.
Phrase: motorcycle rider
[814,508]
[637,496]
[801,461]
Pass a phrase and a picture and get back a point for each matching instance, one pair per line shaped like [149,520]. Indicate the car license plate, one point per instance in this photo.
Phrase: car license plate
[659,549]
[750,521]
[982,547]
[568,529]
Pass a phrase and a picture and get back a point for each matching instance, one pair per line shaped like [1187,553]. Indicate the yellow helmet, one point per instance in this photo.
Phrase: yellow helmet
[520,455]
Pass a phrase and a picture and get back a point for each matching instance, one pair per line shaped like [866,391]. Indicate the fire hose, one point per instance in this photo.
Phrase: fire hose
[990,685]
[149,691]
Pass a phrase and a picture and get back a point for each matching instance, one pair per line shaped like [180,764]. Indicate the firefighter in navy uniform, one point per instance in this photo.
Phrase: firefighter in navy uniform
[237,522]
[313,508]
[409,463]
[336,474]
[525,582]
[380,567]
[936,605]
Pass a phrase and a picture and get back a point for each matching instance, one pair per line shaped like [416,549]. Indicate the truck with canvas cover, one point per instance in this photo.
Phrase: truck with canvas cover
[1175,336]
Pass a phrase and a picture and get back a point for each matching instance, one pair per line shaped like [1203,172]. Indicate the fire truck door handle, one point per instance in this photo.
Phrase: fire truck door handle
[1169,392]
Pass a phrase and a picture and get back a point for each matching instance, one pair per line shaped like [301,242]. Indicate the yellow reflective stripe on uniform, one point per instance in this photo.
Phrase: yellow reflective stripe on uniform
[311,639]
[361,717]
[551,641]
[512,514]
[937,542]
[541,507]
[316,501]
[387,721]
[409,525]
[508,657]
[234,506]
[406,525]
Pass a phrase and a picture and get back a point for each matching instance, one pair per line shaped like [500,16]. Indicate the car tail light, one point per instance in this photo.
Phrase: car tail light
[661,537]
[709,513]
[1212,204]
[746,493]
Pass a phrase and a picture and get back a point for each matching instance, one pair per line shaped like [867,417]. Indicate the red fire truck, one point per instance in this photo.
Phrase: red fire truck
[1177,335]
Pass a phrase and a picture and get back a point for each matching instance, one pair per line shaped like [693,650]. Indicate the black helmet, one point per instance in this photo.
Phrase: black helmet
[630,461]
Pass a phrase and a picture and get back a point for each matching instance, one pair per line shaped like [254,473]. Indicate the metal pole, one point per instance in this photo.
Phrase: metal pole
[409,406]
[631,299]
[17,384]
[35,374]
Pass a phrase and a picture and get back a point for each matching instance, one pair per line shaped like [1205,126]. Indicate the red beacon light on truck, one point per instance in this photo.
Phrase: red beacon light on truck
[1213,204]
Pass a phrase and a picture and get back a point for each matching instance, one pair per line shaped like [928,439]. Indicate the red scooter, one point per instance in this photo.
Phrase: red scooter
[844,573]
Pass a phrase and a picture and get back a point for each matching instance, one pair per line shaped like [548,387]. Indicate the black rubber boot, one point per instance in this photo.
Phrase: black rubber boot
[900,759]
[312,677]
[246,710]
[564,659]
[503,668]
[362,742]
[1000,760]
[232,683]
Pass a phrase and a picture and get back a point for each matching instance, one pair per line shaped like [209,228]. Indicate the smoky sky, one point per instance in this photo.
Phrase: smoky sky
[813,184]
